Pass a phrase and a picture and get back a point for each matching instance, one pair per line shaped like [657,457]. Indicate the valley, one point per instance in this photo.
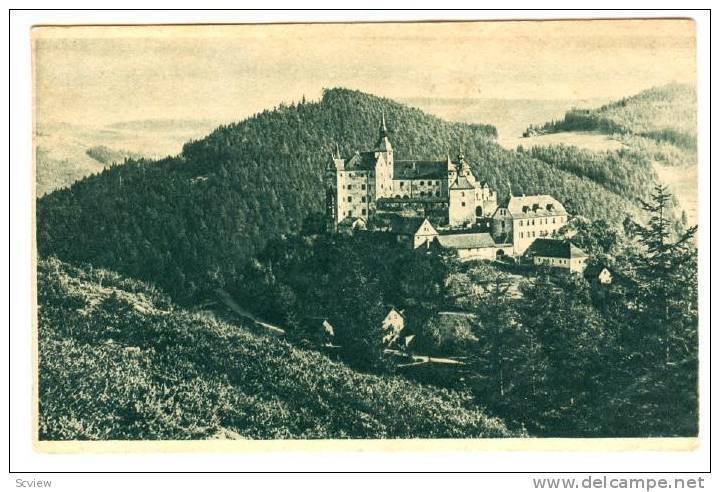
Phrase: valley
[63,149]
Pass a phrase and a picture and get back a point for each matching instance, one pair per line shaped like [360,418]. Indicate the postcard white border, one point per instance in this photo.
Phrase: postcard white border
[19,188]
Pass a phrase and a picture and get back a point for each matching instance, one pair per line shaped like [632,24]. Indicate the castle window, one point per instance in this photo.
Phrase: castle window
[422,183]
[521,235]
[364,212]
[437,193]
[521,223]
[553,220]
[462,193]
[362,199]
[349,199]
[402,184]
[349,187]
[362,187]
[462,204]
[349,213]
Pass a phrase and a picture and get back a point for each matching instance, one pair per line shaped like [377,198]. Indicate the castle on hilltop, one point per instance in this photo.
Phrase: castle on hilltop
[433,204]
[360,185]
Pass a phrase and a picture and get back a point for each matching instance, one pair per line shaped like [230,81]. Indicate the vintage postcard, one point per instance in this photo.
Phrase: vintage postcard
[420,235]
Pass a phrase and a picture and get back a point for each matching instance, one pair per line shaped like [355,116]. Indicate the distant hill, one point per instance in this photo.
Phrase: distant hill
[54,171]
[664,114]
[509,116]
[186,223]
[106,155]
[119,361]
[657,127]
[68,152]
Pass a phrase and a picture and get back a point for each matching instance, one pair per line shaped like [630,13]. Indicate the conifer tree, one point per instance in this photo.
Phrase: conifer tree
[661,351]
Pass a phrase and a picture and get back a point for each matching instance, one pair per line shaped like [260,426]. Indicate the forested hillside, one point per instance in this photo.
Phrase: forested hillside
[189,222]
[561,356]
[660,121]
[626,172]
[118,360]
[241,210]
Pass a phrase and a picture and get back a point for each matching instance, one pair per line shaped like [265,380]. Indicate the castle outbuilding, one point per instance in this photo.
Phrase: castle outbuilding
[557,253]
[526,218]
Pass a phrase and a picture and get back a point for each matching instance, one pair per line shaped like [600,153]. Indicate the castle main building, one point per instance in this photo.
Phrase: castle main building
[358,185]
[434,204]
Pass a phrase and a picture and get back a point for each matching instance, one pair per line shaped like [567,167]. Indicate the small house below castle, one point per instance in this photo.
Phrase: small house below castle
[413,231]
[418,232]
[351,224]
[470,246]
[557,253]
[394,328]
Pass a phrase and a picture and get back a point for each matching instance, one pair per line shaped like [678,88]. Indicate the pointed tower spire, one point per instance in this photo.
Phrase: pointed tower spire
[337,150]
[383,144]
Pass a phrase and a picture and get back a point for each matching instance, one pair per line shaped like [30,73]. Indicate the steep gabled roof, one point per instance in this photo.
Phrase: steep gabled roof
[409,226]
[462,183]
[534,206]
[361,161]
[466,240]
[406,225]
[415,169]
[400,312]
[555,248]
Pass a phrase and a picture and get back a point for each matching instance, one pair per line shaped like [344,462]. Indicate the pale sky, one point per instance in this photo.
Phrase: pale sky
[103,75]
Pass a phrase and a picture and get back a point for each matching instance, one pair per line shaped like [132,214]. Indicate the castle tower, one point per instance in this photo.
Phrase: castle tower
[330,180]
[451,172]
[461,203]
[384,163]
[464,169]
[383,143]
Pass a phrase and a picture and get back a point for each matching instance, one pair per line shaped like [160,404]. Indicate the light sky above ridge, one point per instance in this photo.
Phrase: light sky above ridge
[100,75]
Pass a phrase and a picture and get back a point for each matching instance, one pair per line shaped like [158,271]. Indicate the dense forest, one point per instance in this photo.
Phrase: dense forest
[566,357]
[240,210]
[188,223]
[626,172]
[139,367]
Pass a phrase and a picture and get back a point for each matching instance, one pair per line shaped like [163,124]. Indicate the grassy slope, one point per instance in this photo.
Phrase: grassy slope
[194,377]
